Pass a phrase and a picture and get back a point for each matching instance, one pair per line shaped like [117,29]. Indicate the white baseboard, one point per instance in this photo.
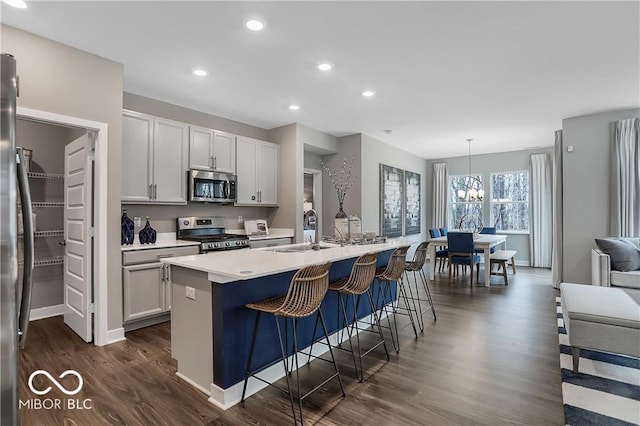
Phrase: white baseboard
[115,335]
[192,383]
[227,398]
[46,312]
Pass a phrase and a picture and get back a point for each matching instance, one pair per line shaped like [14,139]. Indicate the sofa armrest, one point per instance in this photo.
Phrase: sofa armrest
[600,268]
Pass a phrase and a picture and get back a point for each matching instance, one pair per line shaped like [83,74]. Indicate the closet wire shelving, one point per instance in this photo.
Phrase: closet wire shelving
[47,260]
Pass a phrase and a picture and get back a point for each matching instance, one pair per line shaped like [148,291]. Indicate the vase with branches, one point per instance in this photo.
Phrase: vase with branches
[342,181]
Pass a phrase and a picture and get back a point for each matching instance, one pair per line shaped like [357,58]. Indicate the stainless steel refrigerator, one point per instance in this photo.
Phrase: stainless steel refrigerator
[15,298]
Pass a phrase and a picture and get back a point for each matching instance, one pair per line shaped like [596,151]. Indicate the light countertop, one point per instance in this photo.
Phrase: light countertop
[163,240]
[236,265]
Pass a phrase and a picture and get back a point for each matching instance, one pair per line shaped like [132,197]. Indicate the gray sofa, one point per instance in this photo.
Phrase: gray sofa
[602,275]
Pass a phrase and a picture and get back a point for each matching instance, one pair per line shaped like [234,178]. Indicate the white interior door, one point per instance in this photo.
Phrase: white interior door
[78,279]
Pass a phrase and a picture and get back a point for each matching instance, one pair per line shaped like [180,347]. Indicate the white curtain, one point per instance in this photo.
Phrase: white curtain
[556,257]
[625,179]
[439,216]
[540,216]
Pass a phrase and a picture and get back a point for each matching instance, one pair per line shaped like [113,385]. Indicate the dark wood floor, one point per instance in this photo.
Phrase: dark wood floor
[491,358]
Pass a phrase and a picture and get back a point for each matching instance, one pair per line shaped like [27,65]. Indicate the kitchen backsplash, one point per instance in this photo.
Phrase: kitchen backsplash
[163,218]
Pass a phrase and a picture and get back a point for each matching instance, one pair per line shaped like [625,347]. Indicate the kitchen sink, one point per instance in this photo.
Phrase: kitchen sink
[297,248]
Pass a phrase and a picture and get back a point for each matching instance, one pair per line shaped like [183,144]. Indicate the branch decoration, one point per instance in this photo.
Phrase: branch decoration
[342,180]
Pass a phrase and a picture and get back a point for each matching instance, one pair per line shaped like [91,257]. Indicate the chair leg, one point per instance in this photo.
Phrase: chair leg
[326,335]
[284,357]
[253,345]
[504,273]
[425,283]
[376,319]
[450,265]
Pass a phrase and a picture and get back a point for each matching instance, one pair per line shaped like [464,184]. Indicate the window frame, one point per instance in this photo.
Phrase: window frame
[450,204]
[528,201]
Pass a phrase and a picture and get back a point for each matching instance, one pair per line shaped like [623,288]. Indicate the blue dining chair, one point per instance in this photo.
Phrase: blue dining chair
[444,231]
[441,253]
[461,252]
[488,231]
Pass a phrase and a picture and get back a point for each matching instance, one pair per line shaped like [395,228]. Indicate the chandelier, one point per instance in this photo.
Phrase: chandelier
[471,193]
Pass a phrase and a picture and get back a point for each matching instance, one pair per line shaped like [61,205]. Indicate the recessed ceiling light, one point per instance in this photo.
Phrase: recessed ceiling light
[20,4]
[368,93]
[325,67]
[255,25]
[294,107]
[199,72]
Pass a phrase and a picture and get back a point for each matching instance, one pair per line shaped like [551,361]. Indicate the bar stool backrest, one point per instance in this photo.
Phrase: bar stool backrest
[362,274]
[419,257]
[395,267]
[306,291]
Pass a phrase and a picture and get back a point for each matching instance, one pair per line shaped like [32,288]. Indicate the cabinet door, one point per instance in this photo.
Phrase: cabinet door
[246,169]
[268,173]
[168,297]
[200,148]
[224,152]
[137,146]
[144,290]
[170,150]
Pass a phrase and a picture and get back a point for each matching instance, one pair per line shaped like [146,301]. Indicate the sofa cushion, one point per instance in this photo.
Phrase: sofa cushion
[624,253]
[629,279]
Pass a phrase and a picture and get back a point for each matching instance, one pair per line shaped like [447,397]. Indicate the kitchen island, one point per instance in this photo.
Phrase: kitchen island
[210,327]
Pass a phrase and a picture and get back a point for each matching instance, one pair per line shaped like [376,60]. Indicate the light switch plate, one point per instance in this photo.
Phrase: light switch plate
[191,293]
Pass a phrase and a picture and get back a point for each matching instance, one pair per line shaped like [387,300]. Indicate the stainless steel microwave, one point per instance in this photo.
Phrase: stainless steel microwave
[211,187]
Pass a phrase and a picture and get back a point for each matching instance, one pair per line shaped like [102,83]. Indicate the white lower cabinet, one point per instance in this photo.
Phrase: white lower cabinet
[146,282]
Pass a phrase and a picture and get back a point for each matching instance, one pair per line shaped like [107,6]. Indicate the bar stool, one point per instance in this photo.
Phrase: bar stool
[416,267]
[394,271]
[306,292]
[355,285]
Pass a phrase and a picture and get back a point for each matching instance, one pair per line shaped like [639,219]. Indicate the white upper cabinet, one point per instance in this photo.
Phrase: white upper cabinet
[137,145]
[154,159]
[257,170]
[212,150]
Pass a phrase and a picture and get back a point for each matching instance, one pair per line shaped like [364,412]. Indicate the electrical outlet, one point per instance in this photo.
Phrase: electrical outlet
[239,219]
[191,293]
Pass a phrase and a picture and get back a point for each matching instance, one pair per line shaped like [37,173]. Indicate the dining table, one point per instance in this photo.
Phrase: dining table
[482,241]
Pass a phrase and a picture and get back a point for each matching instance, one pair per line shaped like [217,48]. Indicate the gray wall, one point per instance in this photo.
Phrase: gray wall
[374,153]
[348,148]
[364,198]
[485,165]
[586,188]
[63,80]
[163,218]
[290,180]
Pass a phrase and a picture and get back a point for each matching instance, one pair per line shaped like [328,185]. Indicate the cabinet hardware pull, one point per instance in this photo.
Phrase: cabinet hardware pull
[211,163]
[155,191]
[215,163]
[150,191]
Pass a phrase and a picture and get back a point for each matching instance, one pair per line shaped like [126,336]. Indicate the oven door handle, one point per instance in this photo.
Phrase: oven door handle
[227,190]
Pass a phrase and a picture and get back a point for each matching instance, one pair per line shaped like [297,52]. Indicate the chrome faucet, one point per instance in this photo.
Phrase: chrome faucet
[316,244]
[342,239]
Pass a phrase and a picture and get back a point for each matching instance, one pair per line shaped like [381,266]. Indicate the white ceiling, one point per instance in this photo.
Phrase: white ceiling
[503,73]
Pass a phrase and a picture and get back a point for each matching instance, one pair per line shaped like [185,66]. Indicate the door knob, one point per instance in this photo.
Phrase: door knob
[62,243]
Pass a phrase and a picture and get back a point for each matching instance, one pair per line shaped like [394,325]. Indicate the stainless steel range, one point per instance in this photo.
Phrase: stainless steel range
[211,233]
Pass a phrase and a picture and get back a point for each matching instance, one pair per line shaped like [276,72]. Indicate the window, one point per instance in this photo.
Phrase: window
[465,199]
[510,201]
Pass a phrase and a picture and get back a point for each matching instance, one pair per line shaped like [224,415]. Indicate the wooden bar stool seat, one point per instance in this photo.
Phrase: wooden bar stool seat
[394,271]
[357,284]
[304,297]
